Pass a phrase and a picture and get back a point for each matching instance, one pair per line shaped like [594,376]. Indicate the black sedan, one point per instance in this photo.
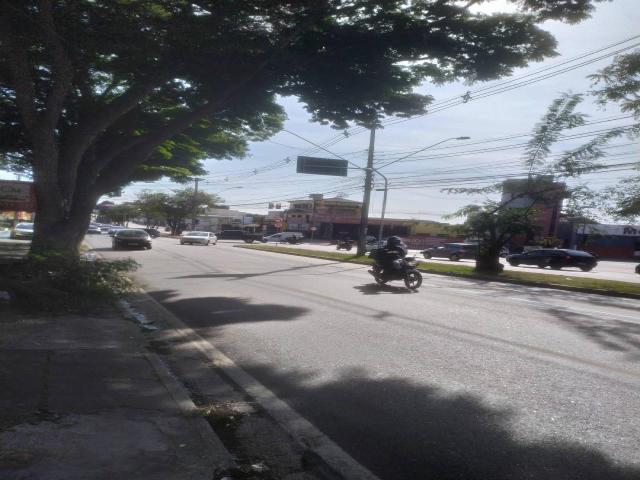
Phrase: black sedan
[131,238]
[556,258]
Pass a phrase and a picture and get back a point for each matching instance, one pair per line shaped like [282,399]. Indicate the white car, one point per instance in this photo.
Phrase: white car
[203,238]
[22,231]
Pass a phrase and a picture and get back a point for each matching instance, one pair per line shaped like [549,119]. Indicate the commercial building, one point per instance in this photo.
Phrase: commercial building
[334,217]
[542,195]
[609,241]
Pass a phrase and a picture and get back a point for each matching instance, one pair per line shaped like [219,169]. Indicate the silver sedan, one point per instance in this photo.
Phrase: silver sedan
[202,238]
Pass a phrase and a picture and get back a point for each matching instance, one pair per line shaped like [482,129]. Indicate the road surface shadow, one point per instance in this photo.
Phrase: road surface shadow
[206,312]
[609,333]
[241,276]
[375,289]
[403,430]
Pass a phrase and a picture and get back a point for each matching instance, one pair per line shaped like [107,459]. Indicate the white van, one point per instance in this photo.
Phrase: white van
[285,237]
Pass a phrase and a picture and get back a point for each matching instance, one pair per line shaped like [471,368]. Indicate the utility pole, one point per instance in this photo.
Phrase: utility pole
[195,204]
[364,218]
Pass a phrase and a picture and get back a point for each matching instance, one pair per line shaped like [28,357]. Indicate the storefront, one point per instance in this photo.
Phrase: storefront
[610,241]
[17,202]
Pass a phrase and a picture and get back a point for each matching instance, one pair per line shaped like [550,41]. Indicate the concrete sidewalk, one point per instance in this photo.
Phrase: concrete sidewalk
[81,398]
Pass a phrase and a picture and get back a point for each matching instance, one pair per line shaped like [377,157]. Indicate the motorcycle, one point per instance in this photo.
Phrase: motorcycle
[404,269]
[346,244]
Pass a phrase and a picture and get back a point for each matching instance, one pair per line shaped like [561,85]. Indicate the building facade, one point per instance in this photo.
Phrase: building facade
[609,241]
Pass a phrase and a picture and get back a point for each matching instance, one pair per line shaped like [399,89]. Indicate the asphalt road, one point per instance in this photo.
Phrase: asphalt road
[461,380]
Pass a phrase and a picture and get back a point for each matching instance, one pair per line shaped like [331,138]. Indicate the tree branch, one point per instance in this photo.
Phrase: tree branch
[62,68]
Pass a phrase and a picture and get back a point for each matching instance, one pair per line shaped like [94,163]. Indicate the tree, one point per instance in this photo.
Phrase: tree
[494,224]
[122,213]
[97,93]
[620,83]
[151,207]
[176,208]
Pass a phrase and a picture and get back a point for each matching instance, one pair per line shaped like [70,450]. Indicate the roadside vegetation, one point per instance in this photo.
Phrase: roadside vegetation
[55,283]
[592,285]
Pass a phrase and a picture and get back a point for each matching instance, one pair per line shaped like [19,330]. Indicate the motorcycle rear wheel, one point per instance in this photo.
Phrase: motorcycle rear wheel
[413,280]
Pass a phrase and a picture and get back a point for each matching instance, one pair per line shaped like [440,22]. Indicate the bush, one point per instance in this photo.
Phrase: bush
[55,283]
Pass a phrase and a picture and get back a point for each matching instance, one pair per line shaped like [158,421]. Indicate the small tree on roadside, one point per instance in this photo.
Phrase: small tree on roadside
[620,83]
[495,223]
[494,226]
[175,209]
[151,207]
[121,214]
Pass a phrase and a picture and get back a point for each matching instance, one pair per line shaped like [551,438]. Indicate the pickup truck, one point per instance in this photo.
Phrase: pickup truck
[252,237]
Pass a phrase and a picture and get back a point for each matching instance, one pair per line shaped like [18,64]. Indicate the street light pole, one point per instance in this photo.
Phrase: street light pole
[366,198]
[195,204]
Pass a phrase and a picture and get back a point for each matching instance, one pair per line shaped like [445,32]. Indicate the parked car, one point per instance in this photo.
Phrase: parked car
[231,235]
[452,251]
[285,237]
[22,231]
[94,230]
[153,233]
[194,237]
[556,258]
[131,237]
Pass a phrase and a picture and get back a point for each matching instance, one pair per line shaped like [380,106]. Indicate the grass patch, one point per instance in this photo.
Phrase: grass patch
[538,279]
[54,283]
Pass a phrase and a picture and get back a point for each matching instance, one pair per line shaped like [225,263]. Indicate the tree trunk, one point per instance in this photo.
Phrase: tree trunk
[488,260]
[58,229]
[489,264]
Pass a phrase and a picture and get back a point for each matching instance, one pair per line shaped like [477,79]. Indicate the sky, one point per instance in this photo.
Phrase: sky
[508,107]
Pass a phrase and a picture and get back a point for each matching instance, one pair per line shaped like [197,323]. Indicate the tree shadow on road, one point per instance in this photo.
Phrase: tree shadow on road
[404,430]
[207,312]
[241,276]
[609,333]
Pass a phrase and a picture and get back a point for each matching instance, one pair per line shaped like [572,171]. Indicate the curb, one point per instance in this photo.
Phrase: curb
[486,278]
[300,429]
[183,400]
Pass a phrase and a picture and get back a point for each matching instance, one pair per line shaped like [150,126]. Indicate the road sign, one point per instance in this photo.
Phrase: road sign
[322,166]
[313,229]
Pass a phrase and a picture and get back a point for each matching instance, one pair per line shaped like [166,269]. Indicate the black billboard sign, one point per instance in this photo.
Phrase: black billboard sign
[322,166]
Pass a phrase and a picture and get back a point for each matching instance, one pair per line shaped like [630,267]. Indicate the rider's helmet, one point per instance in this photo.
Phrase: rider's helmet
[393,241]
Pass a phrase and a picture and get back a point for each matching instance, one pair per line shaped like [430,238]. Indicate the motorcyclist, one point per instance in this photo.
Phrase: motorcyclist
[393,250]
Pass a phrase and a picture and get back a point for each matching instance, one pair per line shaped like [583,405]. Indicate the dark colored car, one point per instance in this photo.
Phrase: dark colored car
[231,235]
[131,238]
[638,269]
[555,258]
[153,233]
[452,251]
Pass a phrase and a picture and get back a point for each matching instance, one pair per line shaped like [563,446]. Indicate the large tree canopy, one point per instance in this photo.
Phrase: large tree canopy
[97,93]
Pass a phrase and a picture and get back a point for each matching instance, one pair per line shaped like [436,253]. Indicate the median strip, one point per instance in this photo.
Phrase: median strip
[561,282]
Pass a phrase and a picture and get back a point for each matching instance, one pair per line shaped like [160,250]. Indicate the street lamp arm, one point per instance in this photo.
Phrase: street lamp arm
[425,148]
